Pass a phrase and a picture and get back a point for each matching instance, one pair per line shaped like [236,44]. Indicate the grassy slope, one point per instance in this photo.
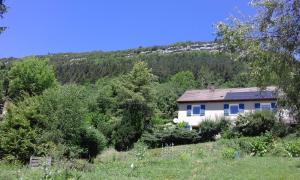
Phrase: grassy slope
[201,161]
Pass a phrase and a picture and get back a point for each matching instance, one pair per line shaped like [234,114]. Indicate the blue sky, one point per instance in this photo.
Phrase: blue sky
[38,27]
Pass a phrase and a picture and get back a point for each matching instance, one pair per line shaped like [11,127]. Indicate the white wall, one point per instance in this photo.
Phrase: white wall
[213,111]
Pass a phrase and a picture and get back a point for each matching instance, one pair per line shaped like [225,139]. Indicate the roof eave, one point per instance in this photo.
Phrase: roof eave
[226,100]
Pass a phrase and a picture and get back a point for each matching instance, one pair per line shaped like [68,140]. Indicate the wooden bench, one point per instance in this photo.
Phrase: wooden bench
[36,161]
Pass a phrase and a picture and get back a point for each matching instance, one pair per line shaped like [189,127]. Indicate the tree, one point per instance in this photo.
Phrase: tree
[184,80]
[3,10]
[30,77]
[270,43]
[135,100]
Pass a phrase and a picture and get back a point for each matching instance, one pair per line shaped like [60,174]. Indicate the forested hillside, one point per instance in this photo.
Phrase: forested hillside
[204,62]
[84,102]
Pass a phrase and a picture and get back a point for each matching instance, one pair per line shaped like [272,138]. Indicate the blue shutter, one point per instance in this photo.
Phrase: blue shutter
[257,106]
[273,106]
[202,112]
[241,108]
[226,109]
[188,110]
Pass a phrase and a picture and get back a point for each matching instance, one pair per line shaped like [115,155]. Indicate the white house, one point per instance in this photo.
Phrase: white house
[195,106]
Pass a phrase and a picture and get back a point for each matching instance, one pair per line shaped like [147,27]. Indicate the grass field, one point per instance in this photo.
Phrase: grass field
[200,161]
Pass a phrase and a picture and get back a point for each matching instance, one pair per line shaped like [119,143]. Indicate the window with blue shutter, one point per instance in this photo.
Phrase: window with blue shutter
[202,112]
[257,106]
[273,106]
[188,110]
[233,109]
[196,110]
[226,109]
[241,108]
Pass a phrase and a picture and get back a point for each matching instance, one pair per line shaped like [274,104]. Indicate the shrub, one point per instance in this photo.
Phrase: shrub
[228,153]
[208,129]
[140,150]
[124,137]
[18,144]
[230,134]
[279,129]
[293,148]
[176,136]
[257,145]
[103,123]
[92,140]
[257,123]
[136,117]
[19,135]
[182,124]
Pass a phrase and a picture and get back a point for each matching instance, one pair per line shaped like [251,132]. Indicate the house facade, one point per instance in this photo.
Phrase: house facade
[195,106]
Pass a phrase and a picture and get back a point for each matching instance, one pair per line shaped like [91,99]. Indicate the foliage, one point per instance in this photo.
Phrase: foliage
[256,123]
[136,106]
[208,129]
[30,77]
[136,116]
[157,164]
[182,124]
[176,136]
[3,10]
[269,43]
[228,153]
[280,129]
[293,148]
[140,150]
[94,141]
[184,80]
[257,145]
[103,123]
[18,137]
[165,100]
[64,109]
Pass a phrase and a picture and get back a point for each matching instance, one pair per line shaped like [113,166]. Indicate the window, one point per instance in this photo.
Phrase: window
[196,110]
[226,109]
[202,113]
[265,106]
[233,109]
[188,110]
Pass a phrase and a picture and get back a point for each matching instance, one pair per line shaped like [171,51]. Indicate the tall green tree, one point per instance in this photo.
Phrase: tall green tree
[270,43]
[136,105]
[30,77]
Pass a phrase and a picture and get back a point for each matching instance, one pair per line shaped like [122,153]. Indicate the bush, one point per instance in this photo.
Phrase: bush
[182,124]
[228,153]
[92,140]
[254,124]
[178,136]
[257,145]
[136,117]
[19,136]
[293,148]
[209,129]
[103,123]
[124,137]
[279,129]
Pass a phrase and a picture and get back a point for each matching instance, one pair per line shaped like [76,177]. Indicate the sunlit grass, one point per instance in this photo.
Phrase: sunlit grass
[201,161]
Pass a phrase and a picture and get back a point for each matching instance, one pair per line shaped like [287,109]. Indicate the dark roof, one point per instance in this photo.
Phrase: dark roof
[232,94]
